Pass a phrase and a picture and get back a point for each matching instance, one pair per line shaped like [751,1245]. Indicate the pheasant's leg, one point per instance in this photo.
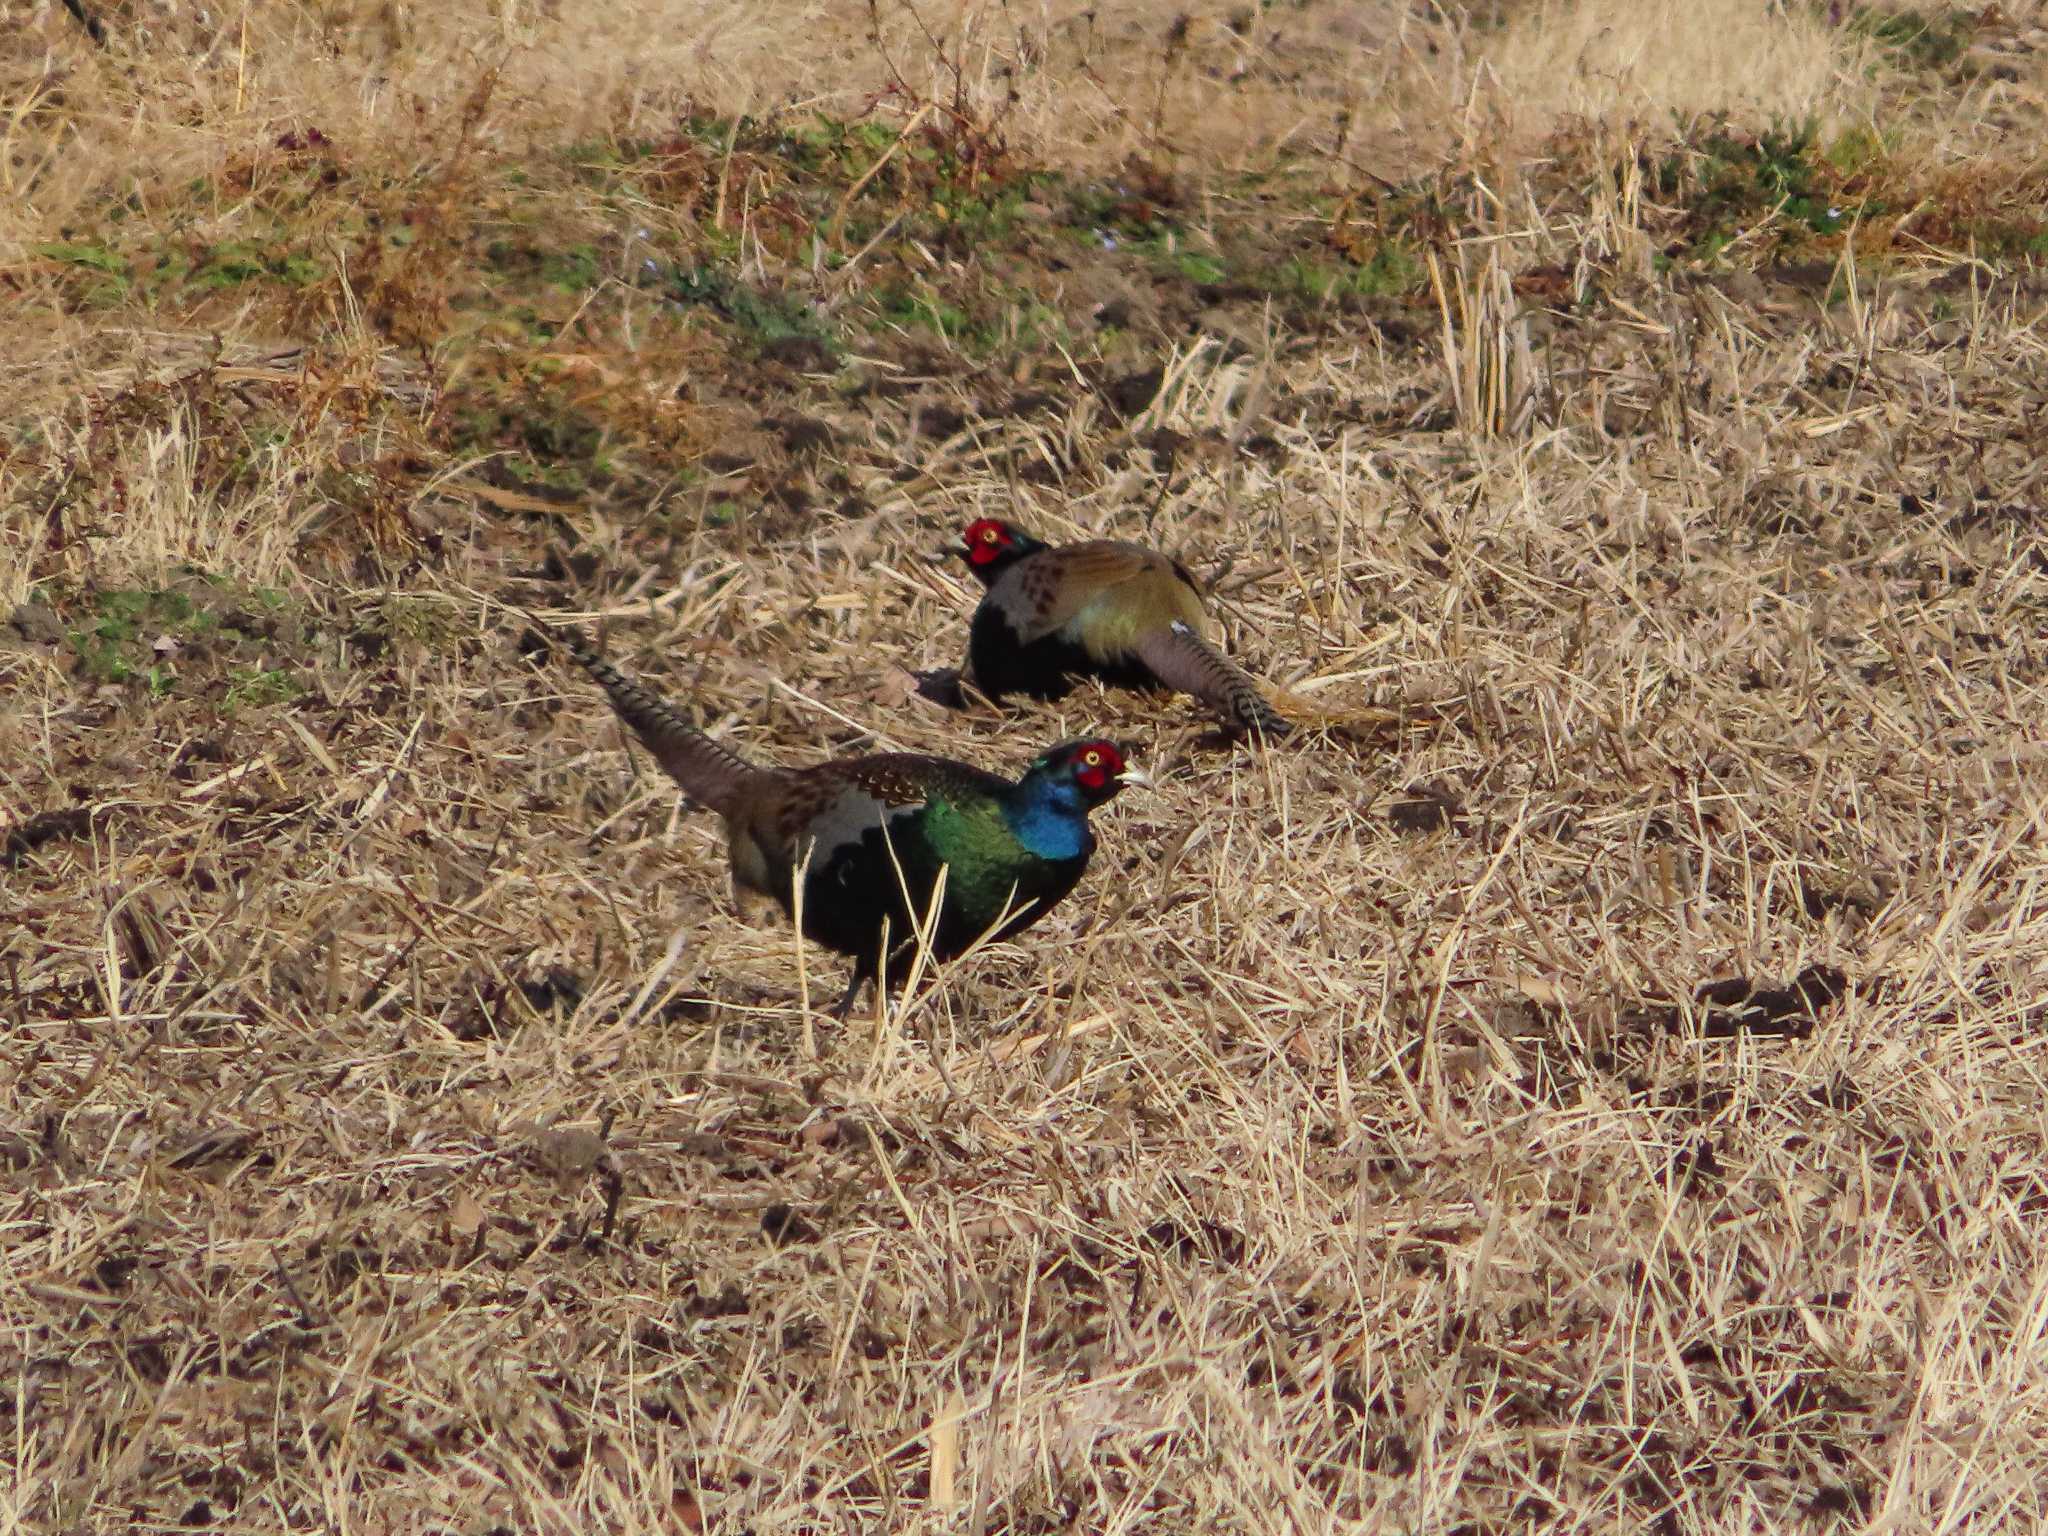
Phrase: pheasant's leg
[852,991]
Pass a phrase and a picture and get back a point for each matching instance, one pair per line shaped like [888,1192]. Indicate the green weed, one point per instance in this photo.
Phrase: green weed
[1391,271]
[250,688]
[922,309]
[574,269]
[1930,39]
[1202,268]
[235,262]
[117,645]
[1730,185]
[105,271]
[1857,150]
[764,318]
[88,254]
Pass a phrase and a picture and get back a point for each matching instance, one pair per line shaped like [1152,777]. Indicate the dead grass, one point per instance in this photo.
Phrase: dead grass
[404,1131]
[1206,80]
[1608,60]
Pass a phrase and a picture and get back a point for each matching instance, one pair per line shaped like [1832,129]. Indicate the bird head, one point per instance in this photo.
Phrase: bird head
[990,546]
[1095,767]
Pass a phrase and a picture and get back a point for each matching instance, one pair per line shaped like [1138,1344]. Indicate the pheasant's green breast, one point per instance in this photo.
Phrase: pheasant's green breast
[997,852]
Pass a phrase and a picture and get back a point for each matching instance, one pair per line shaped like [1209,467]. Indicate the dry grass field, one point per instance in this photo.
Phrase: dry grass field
[1591,1078]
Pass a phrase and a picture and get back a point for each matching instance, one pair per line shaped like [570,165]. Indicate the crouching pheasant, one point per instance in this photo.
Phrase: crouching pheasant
[1120,612]
[871,834]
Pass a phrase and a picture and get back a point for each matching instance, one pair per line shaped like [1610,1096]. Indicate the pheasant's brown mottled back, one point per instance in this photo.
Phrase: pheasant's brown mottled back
[868,837]
[1111,591]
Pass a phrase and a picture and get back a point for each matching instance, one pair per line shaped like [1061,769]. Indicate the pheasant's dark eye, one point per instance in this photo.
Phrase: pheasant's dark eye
[1091,758]
[991,536]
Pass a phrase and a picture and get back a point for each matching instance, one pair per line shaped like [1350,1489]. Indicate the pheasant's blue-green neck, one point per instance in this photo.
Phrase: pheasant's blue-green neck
[1023,544]
[1048,816]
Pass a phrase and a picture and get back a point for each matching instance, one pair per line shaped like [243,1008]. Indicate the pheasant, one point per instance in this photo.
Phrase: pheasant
[872,834]
[1120,612]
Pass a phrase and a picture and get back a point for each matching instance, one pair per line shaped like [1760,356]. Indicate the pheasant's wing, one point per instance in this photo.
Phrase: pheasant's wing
[1183,660]
[1109,591]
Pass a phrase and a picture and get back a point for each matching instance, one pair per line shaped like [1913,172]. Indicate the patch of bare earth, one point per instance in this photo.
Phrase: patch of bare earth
[1590,1078]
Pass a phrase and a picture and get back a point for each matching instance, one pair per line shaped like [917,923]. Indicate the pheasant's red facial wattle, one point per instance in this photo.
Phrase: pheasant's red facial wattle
[1096,764]
[986,540]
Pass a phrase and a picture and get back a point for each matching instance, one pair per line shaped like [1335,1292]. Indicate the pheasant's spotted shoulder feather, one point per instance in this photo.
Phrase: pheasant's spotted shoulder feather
[910,778]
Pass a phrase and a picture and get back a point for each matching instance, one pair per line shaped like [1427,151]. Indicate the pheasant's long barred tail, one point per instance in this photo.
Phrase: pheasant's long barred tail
[708,770]
[1184,660]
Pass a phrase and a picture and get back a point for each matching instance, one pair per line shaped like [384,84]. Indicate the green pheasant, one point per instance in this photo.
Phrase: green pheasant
[1120,612]
[871,835]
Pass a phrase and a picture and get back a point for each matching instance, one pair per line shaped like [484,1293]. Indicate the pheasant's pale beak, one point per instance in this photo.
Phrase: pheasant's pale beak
[1137,777]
